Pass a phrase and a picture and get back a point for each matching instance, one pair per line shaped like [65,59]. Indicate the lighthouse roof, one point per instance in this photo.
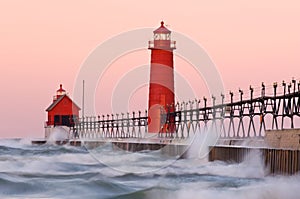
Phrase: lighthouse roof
[59,100]
[162,29]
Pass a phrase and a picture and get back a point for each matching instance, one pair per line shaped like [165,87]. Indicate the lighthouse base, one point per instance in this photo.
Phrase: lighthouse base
[57,133]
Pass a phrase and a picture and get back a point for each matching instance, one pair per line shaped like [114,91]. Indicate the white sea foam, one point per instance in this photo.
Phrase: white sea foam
[200,143]
[129,162]
[45,163]
[58,134]
[51,171]
[269,188]
[15,143]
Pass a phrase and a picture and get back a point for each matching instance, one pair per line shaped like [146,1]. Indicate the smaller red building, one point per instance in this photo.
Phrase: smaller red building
[63,111]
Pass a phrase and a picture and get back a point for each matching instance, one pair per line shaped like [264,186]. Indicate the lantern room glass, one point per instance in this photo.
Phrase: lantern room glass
[162,36]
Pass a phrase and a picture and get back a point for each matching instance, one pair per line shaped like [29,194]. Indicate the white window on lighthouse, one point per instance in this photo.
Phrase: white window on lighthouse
[162,36]
[60,93]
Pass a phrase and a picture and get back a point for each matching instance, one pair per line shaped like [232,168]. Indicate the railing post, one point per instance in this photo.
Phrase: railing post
[128,125]
[294,109]
[231,97]
[223,107]
[284,87]
[197,102]
[251,92]
[205,114]
[139,125]
[87,126]
[98,129]
[241,114]
[146,121]
[231,122]
[263,89]
[95,127]
[241,95]
[289,104]
[214,107]
[275,88]
[117,125]
[294,85]
[112,126]
[103,126]
[283,105]
[107,126]
[133,124]
[122,129]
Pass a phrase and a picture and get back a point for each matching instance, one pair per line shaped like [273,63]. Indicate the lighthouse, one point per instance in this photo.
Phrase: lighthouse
[62,112]
[161,86]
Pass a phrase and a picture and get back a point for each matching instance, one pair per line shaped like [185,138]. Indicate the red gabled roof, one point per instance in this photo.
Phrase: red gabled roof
[162,29]
[58,100]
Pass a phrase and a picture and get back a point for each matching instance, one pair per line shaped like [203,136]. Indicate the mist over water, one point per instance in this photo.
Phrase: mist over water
[51,171]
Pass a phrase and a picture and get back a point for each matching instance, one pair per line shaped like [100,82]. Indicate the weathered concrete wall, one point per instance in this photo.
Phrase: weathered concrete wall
[276,161]
[285,139]
[280,139]
[249,142]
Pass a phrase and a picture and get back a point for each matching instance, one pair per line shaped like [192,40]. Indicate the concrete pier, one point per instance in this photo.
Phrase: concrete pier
[172,149]
[166,146]
[40,142]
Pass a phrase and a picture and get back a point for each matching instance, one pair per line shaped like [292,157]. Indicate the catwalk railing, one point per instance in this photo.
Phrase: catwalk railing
[112,126]
[272,108]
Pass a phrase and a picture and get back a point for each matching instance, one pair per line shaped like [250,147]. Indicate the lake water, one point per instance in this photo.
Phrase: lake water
[50,171]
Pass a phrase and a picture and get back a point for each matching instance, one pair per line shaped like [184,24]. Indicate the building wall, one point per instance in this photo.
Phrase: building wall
[287,138]
[64,107]
[161,89]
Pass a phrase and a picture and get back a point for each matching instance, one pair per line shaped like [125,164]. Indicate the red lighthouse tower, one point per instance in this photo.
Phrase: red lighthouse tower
[161,89]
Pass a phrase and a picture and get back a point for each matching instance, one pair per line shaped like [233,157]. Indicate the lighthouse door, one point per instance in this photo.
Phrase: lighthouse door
[56,120]
[65,120]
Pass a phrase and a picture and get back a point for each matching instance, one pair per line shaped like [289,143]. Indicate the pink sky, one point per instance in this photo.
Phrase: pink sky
[44,43]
